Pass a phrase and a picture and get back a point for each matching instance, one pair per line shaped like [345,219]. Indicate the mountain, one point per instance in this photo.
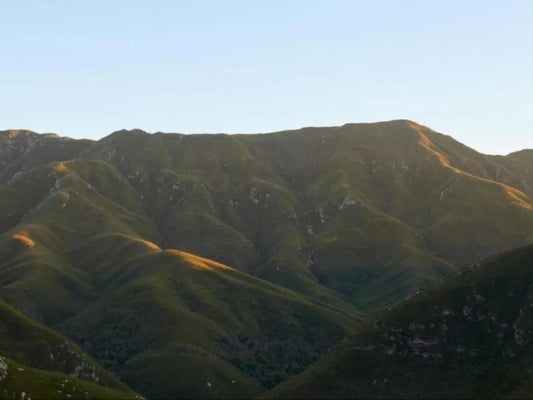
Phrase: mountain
[196,321]
[353,210]
[220,265]
[41,363]
[471,338]
[77,261]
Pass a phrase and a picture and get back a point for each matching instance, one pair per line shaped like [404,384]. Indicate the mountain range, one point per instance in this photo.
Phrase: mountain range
[221,265]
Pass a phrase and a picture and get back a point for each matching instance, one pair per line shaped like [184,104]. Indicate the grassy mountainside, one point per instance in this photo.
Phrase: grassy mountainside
[80,260]
[370,212]
[234,261]
[209,322]
[62,211]
[19,381]
[358,209]
[471,338]
[515,170]
[42,363]
[21,150]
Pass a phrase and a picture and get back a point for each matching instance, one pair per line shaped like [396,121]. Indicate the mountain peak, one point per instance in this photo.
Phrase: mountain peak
[134,131]
[389,124]
[12,133]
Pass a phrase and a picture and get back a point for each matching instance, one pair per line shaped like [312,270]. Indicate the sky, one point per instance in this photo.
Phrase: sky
[87,68]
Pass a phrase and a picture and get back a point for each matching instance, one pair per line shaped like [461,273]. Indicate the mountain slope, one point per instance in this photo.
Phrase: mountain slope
[362,214]
[447,343]
[361,208]
[20,381]
[235,261]
[80,261]
[42,363]
[162,307]
[21,150]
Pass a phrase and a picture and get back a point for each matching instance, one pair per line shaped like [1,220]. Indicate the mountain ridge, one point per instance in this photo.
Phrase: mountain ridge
[292,175]
[310,232]
[347,124]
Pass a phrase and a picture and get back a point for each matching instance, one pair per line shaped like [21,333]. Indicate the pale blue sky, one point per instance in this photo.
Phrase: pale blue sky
[87,68]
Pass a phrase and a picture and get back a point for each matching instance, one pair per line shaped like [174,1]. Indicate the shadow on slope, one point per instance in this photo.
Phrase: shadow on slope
[471,338]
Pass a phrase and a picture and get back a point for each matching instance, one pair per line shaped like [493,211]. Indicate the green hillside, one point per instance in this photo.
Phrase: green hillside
[221,265]
[471,338]
[368,211]
[21,150]
[371,211]
[44,364]
[18,381]
[77,262]
[203,321]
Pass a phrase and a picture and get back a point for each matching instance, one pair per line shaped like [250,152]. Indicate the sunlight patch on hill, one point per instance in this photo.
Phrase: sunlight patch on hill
[517,196]
[22,236]
[144,242]
[60,167]
[199,262]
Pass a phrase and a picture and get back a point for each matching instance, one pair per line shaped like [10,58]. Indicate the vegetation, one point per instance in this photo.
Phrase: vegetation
[20,382]
[48,365]
[221,265]
[470,338]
